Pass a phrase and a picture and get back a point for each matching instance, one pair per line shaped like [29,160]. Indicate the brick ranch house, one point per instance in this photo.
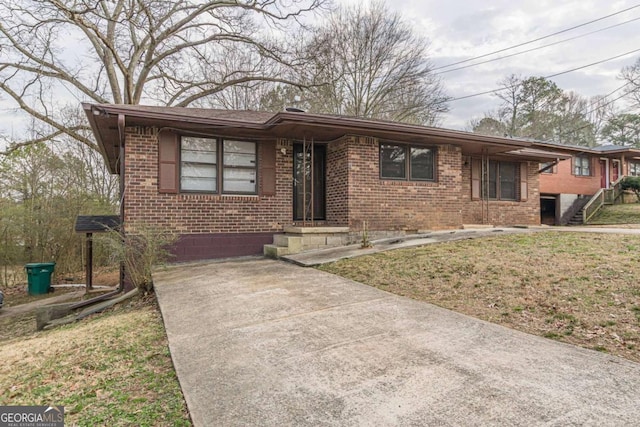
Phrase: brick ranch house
[228,181]
[566,186]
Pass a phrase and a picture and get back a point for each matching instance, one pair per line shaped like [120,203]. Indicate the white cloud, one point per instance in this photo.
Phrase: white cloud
[461,29]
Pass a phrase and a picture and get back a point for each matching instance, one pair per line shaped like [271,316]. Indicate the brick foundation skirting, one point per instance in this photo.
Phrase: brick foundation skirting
[193,247]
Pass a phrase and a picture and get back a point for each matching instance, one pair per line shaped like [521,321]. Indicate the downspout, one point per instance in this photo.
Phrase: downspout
[121,135]
[304,182]
[312,185]
[484,185]
[488,169]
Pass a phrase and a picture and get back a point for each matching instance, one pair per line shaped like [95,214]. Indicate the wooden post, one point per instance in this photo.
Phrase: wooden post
[89,270]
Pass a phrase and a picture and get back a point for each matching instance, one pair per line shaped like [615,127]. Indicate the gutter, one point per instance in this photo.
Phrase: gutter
[377,125]
[285,117]
[120,288]
[121,134]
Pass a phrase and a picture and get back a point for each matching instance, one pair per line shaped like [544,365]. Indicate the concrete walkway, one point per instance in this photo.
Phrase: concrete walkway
[266,343]
[324,256]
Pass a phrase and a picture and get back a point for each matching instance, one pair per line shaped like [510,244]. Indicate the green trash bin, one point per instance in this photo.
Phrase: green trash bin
[39,277]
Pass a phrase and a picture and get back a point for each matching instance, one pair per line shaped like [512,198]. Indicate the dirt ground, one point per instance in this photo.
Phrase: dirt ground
[22,324]
[16,293]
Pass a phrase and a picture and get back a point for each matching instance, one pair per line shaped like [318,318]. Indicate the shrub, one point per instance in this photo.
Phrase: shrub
[142,249]
[631,183]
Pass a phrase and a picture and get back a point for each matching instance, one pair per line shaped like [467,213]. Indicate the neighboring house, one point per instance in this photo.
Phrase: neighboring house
[565,186]
[228,181]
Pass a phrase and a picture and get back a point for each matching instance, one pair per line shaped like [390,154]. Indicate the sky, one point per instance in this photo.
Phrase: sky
[463,29]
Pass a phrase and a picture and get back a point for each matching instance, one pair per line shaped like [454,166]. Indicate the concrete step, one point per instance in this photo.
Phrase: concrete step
[294,243]
[273,251]
[476,226]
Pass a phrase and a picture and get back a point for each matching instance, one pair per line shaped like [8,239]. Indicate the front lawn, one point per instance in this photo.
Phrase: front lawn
[113,369]
[578,288]
[628,213]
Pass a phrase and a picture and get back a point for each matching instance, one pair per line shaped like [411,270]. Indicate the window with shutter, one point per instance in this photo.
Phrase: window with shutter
[167,162]
[207,165]
[503,181]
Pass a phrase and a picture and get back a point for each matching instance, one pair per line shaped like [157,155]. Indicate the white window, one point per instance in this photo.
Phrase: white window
[581,166]
[634,168]
[201,168]
[198,164]
[239,169]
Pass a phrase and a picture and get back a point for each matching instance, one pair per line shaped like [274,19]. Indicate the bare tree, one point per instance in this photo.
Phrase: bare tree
[369,63]
[600,109]
[129,51]
[509,110]
[536,107]
[631,74]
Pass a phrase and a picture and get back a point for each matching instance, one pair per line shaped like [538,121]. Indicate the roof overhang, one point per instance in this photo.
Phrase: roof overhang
[626,151]
[532,154]
[290,125]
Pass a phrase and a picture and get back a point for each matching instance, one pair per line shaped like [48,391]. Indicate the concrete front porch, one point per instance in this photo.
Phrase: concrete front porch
[298,239]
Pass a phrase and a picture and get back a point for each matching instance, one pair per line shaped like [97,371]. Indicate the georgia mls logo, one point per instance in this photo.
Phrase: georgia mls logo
[31,416]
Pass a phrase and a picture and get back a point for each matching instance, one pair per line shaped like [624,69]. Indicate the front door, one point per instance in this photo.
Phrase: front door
[603,174]
[615,170]
[309,195]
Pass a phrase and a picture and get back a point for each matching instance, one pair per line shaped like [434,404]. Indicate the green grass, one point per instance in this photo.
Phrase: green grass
[114,369]
[574,287]
[617,214]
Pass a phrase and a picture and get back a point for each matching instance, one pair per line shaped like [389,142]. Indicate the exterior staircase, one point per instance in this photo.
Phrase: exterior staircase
[299,239]
[577,218]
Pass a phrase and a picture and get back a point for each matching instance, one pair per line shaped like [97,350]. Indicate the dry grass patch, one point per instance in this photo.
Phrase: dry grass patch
[627,214]
[114,369]
[577,288]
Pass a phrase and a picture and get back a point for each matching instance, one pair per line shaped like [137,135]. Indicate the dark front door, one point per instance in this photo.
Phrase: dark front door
[308,190]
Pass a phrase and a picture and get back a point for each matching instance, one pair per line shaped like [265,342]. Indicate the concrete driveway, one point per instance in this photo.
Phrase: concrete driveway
[265,343]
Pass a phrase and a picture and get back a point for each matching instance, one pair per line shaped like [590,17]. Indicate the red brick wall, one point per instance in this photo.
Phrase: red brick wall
[562,181]
[337,183]
[503,212]
[355,193]
[189,213]
[402,205]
